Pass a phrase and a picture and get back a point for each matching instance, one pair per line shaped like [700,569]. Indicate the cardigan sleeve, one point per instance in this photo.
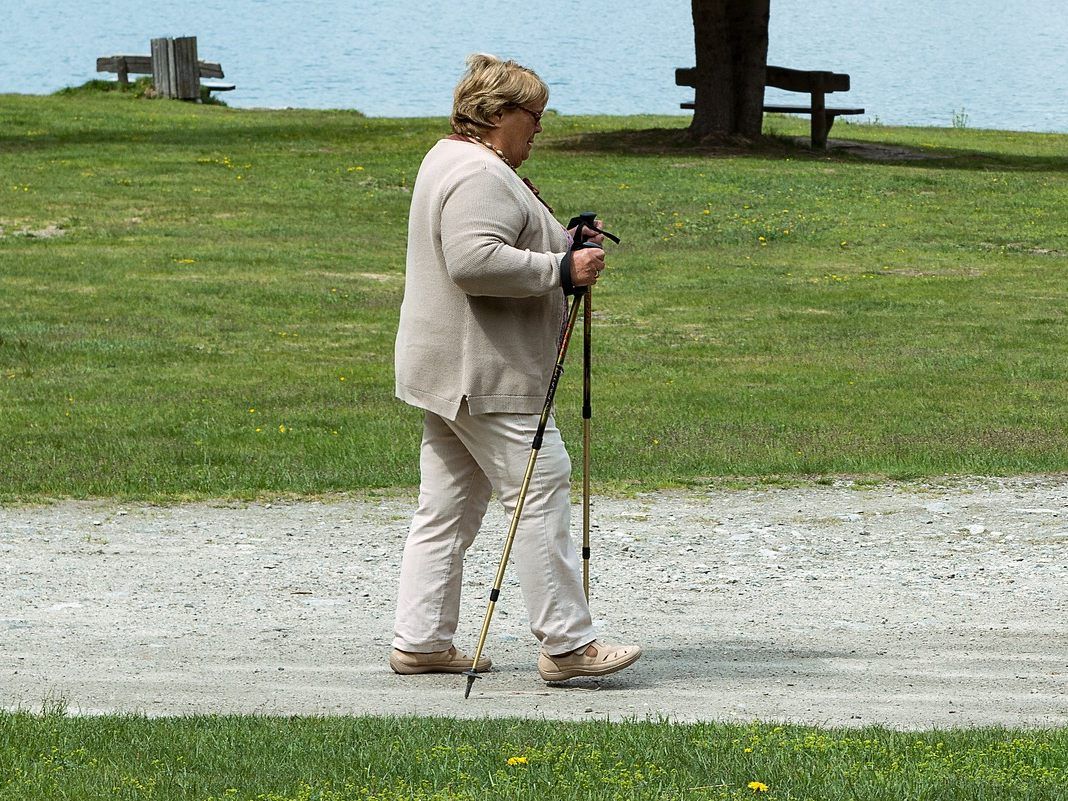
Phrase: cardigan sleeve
[482,223]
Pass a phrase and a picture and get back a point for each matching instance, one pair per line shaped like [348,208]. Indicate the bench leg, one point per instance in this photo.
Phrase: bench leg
[821,121]
[821,129]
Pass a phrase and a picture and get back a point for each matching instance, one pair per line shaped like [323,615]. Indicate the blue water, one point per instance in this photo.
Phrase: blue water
[986,64]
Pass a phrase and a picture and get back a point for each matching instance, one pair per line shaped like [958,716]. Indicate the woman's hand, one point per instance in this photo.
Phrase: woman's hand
[586,266]
[589,236]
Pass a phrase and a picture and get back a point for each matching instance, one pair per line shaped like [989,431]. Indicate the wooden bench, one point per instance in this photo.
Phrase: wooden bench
[816,83]
[142,65]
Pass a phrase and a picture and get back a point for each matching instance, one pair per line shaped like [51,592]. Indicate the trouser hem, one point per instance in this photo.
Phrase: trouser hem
[568,647]
[421,648]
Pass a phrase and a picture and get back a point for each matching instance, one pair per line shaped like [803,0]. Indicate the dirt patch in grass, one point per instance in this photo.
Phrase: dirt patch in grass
[50,231]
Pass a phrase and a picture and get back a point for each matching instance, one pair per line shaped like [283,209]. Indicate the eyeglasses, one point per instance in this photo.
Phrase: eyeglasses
[535,114]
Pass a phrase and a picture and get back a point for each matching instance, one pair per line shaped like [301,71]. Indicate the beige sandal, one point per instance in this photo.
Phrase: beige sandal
[451,661]
[596,659]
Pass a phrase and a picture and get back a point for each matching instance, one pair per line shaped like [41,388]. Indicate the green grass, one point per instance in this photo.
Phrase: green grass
[216,318]
[335,759]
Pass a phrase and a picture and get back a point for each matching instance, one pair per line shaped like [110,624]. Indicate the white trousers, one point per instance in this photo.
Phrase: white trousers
[461,461]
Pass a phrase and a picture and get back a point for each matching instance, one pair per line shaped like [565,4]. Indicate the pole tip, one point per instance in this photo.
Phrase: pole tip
[471,676]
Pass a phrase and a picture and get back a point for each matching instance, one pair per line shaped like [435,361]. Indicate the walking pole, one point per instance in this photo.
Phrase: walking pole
[534,449]
[587,413]
[581,223]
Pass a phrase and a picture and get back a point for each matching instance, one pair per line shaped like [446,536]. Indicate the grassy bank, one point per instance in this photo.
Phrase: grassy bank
[201,301]
[395,759]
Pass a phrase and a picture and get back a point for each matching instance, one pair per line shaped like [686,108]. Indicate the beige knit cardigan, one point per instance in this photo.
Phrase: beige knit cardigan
[483,304]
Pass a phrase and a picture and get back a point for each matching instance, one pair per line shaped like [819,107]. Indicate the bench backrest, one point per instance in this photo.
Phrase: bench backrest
[806,80]
[142,65]
[783,78]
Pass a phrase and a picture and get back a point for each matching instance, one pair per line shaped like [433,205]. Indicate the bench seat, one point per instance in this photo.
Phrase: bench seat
[794,109]
[808,110]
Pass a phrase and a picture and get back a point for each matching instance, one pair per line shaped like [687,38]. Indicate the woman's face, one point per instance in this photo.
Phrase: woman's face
[515,131]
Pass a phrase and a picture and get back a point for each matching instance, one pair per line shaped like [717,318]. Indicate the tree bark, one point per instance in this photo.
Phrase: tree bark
[731,43]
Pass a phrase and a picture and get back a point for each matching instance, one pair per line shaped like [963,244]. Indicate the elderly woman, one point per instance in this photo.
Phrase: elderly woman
[487,269]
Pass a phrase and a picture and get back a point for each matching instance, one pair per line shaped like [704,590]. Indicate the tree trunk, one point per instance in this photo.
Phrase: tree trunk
[731,42]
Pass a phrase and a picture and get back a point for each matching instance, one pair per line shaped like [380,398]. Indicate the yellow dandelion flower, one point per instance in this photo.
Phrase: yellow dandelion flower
[757,787]
[517,760]
[282,429]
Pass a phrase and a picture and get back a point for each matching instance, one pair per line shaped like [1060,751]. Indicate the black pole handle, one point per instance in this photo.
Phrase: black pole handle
[588,219]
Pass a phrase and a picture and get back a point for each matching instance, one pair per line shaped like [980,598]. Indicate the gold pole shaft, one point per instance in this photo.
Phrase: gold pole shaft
[521,500]
[499,580]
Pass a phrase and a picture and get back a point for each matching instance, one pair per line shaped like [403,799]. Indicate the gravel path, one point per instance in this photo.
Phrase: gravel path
[909,605]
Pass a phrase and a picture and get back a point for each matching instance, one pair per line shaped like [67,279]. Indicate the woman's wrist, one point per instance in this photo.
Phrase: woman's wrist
[566,283]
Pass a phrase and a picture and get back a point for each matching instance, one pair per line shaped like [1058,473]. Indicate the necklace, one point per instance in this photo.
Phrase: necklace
[496,150]
[504,158]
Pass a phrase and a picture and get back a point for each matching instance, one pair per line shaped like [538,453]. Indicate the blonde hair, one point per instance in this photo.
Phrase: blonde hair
[489,86]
